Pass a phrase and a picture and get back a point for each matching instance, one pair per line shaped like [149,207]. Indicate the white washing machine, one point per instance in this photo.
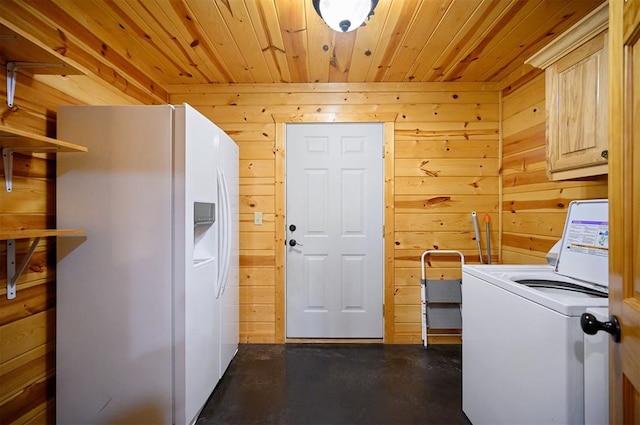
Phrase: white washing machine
[523,347]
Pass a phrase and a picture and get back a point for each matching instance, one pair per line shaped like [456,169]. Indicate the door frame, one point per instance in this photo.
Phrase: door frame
[281,121]
[624,375]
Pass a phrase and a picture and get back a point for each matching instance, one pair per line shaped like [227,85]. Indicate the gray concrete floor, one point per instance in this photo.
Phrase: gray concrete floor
[339,384]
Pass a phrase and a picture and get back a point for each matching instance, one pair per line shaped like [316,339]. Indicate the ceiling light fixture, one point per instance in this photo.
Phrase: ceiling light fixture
[344,15]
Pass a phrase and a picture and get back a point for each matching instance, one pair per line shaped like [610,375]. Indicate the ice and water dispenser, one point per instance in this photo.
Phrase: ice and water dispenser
[204,237]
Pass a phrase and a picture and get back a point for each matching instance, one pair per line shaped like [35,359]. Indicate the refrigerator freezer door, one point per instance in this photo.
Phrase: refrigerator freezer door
[114,330]
[138,336]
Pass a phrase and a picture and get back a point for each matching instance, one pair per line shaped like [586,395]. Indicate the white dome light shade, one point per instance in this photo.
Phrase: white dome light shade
[344,15]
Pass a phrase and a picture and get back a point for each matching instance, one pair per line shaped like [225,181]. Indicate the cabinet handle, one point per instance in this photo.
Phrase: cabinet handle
[605,154]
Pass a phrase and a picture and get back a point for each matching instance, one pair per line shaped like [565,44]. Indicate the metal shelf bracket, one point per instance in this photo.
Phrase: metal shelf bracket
[12,72]
[13,274]
[7,159]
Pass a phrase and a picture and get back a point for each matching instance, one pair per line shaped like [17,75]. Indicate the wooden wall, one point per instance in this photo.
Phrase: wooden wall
[534,209]
[446,165]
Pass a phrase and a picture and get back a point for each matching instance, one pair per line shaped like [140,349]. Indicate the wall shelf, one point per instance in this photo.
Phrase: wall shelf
[38,233]
[16,138]
[13,140]
[14,272]
[18,53]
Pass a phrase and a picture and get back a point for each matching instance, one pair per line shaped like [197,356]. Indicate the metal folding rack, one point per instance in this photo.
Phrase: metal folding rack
[441,299]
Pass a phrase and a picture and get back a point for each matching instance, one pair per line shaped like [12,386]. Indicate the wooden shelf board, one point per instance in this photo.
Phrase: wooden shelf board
[16,138]
[38,233]
[15,48]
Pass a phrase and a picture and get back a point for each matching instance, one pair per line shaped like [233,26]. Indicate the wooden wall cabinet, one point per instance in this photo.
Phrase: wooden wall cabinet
[576,71]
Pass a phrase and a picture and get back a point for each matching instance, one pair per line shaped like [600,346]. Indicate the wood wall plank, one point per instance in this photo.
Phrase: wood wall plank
[32,300]
[26,369]
[20,336]
[470,147]
[257,276]
[443,222]
[30,402]
[446,167]
[467,185]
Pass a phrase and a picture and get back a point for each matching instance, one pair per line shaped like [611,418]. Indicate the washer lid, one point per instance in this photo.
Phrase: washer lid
[584,253]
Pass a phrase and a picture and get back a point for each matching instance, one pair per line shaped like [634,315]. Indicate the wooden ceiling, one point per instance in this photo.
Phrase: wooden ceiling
[153,44]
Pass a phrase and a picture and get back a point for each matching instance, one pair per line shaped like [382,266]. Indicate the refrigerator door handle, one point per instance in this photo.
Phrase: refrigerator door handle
[225,233]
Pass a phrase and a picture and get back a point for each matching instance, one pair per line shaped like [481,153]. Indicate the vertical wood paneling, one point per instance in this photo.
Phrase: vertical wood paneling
[534,209]
[442,164]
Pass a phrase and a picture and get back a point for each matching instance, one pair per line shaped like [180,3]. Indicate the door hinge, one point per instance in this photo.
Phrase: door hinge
[383,150]
[383,231]
[382,309]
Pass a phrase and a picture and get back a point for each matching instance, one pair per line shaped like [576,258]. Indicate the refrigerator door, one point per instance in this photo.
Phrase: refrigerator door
[197,334]
[138,334]
[114,286]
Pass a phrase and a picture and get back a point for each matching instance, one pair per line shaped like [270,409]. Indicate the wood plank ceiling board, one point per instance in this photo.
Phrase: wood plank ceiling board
[367,43]
[207,29]
[341,56]
[321,42]
[265,25]
[425,22]
[443,47]
[166,43]
[482,36]
[468,34]
[182,40]
[107,21]
[398,20]
[527,37]
[480,58]
[205,55]
[291,14]
[524,34]
[233,17]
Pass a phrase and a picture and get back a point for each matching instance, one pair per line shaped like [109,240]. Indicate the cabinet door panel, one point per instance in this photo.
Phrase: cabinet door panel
[577,100]
[577,105]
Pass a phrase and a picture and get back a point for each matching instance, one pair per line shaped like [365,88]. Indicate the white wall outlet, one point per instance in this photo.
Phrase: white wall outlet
[257,218]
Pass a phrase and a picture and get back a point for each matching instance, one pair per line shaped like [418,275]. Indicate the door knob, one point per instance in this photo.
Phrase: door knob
[293,242]
[590,325]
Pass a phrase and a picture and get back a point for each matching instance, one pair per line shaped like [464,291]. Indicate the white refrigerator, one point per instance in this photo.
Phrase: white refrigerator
[147,299]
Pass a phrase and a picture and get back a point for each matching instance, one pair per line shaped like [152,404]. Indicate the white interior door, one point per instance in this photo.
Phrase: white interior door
[334,220]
